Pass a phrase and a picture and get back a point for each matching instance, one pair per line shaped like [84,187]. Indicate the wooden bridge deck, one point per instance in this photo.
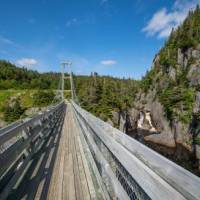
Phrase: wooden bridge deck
[60,170]
[71,176]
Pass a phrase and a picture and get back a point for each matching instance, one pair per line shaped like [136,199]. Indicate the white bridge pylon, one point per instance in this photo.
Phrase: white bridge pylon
[64,66]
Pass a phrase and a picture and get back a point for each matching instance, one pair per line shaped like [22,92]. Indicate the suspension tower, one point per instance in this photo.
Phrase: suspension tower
[65,65]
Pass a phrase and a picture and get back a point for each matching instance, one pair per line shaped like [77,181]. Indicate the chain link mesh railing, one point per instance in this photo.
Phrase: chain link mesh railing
[134,174]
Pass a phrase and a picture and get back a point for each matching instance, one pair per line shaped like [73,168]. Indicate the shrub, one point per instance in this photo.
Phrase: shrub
[14,111]
[43,98]
[177,98]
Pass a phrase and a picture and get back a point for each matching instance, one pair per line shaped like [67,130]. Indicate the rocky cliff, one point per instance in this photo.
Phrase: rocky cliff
[169,96]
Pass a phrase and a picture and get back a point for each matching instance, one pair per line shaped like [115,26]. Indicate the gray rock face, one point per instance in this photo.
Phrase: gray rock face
[134,116]
[122,124]
[196,107]
[188,53]
[172,73]
[198,151]
[196,54]
[180,59]
[158,123]
[185,63]
[193,75]
[184,57]
[158,118]
[180,132]
[115,117]
[166,136]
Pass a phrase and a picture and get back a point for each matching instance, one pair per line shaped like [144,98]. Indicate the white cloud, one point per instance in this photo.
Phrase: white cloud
[108,62]
[163,20]
[71,22]
[26,62]
[5,40]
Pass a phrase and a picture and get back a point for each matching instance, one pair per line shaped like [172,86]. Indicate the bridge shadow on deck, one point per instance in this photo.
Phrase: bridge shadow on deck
[35,183]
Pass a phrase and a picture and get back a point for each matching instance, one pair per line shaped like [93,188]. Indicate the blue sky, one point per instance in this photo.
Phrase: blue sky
[111,37]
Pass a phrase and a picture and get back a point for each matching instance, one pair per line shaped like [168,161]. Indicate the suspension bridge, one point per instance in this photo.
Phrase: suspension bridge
[67,153]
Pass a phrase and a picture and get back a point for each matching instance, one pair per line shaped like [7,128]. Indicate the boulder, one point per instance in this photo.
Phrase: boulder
[115,117]
[133,117]
[164,139]
[158,117]
[181,132]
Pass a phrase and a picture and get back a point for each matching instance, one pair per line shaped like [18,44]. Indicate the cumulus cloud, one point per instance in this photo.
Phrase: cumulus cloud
[27,62]
[164,20]
[5,40]
[108,62]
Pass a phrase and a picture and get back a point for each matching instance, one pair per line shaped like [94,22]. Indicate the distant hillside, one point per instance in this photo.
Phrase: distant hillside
[98,94]
[12,77]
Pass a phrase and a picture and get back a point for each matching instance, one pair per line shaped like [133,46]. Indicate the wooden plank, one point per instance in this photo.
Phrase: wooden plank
[65,184]
[77,182]
[87,182]
[81,168]
[55,189]
[69,179]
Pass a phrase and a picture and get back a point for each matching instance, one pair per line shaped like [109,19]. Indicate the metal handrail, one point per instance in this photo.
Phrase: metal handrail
[15,129]
[30,135]
[155,174]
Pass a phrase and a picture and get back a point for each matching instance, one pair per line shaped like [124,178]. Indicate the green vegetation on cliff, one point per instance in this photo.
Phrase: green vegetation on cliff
[103,94]
[187,35]
[171,67]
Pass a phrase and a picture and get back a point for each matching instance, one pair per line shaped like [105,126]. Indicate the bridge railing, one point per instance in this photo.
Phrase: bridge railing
[127,167]
[20,141]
